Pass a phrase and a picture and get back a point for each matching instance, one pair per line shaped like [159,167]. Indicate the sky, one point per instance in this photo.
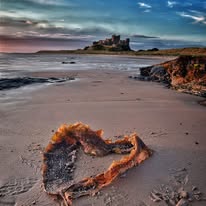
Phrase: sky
[32,25]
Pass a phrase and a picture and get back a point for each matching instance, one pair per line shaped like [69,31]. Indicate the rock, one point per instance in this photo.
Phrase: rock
[188,74]
[145,71]
[194,188]
[154,73]
[13,83]
[154,49]
[72,62]
[158,73]
[185,74]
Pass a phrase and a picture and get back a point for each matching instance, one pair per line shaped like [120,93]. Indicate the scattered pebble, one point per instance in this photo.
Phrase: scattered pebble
[196,142]
[194,188]
[34,202]
[175,193]
[186,133]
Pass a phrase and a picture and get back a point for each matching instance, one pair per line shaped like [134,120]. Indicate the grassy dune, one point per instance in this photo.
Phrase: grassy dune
[165,52]
[176,52]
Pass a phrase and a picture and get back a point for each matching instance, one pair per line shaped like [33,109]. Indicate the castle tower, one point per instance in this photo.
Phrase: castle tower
[115,39]
[127,41]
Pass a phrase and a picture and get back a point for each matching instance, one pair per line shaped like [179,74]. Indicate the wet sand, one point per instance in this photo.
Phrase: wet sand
[171,123]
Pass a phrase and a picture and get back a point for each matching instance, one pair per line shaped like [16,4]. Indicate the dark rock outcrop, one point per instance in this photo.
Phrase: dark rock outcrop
[72,62]
[13,83]
[186,74]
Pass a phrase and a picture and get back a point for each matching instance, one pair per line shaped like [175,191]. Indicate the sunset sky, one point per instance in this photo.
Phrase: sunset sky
[32,25]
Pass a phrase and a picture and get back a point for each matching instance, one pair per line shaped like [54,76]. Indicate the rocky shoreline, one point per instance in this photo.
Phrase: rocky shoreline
[185,74]
[14,83]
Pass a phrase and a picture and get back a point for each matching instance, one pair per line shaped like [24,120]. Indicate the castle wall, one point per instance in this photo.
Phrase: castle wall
[114,42]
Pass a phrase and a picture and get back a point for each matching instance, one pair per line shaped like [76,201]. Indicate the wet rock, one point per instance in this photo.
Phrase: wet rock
[72,62]
[8,83]
[13,83]
[153,49]
[145,71]
[186,74]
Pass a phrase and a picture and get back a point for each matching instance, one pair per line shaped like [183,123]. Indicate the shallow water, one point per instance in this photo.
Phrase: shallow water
[12,65]
[21,65]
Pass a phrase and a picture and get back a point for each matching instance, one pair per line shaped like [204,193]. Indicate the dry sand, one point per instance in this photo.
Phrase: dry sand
[171,123]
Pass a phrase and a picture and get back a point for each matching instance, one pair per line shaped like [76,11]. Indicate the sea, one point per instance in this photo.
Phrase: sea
[15,65]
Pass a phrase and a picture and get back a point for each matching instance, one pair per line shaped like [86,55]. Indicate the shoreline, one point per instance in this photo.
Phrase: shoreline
[168,122]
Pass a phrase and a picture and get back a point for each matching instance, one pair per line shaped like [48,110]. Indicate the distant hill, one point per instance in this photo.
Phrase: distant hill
[167,52]
[195,51]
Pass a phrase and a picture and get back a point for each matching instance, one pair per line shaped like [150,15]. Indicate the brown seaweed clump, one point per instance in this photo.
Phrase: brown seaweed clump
[60,155]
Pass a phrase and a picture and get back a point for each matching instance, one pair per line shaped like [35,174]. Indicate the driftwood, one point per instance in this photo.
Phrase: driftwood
[60,156]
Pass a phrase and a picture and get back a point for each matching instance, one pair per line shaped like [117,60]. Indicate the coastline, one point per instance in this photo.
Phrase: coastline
[169,122]
[196,51]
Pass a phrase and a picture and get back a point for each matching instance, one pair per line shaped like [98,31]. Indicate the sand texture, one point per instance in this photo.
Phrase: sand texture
[170,123]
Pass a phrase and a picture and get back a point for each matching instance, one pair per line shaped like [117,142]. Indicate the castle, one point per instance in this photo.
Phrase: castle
[111,44]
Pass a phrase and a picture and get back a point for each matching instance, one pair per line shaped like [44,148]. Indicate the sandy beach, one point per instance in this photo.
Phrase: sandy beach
[170,123]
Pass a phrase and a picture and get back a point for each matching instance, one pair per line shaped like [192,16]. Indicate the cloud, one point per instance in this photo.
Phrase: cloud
[143,36]
[147,10]
[23,22]
[171,4]
[144,5]
[48,2]
[31,35]
[197,19]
